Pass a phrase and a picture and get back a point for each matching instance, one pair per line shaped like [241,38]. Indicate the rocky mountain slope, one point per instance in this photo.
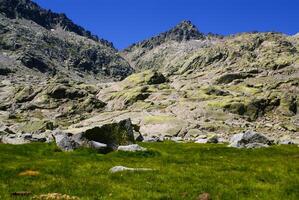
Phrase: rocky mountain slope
[216,85]
[189,85]
[35,41]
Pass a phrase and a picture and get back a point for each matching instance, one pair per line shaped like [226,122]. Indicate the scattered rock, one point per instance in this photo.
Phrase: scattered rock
[131,148]
[250,139]
[210,139]
[201,141]
[287,140]
[122,168]
[213,139]
[153,139]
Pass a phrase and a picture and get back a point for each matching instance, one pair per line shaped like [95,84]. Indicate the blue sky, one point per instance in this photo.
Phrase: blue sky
[124,22]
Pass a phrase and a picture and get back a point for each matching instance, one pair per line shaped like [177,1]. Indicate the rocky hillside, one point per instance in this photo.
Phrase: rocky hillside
[38,42]
[190,86]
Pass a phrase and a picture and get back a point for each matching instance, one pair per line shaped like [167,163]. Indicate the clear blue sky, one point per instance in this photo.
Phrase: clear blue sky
[126,21]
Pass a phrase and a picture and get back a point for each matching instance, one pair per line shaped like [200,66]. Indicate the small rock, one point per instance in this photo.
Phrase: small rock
[98,145]
[177,139]
[131,148]
[29,173]
[286,142]
[122,168]
[153,139]
[204,196]
[213,139]
[255,145]
[201,141]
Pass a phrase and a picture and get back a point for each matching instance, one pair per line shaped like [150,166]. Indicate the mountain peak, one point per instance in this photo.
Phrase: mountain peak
[183,31]
[185,24]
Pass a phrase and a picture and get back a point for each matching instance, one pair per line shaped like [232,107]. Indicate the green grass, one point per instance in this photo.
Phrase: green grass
[183,171]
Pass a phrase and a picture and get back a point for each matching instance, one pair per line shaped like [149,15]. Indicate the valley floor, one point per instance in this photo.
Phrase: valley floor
[182,171]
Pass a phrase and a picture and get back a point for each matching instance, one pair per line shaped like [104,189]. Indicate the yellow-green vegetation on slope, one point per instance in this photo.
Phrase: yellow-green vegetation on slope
[223,172]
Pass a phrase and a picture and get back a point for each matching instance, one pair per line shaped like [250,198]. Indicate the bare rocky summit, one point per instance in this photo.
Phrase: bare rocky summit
[188,86]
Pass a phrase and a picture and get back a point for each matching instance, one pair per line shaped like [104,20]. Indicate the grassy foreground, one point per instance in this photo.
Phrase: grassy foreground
[183,171]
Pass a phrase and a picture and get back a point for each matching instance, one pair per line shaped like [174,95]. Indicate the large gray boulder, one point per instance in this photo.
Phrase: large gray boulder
[103,137]
[250,139]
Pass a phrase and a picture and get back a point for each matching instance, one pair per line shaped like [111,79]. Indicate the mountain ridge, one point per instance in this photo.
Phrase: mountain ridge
[50,20]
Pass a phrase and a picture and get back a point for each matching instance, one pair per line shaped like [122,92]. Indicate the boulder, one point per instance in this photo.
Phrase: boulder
[104,137]
[250,139]
[131,148]
[65,141]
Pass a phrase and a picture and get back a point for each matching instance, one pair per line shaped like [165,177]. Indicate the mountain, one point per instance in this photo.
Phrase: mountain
[38,42]
[187,86]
